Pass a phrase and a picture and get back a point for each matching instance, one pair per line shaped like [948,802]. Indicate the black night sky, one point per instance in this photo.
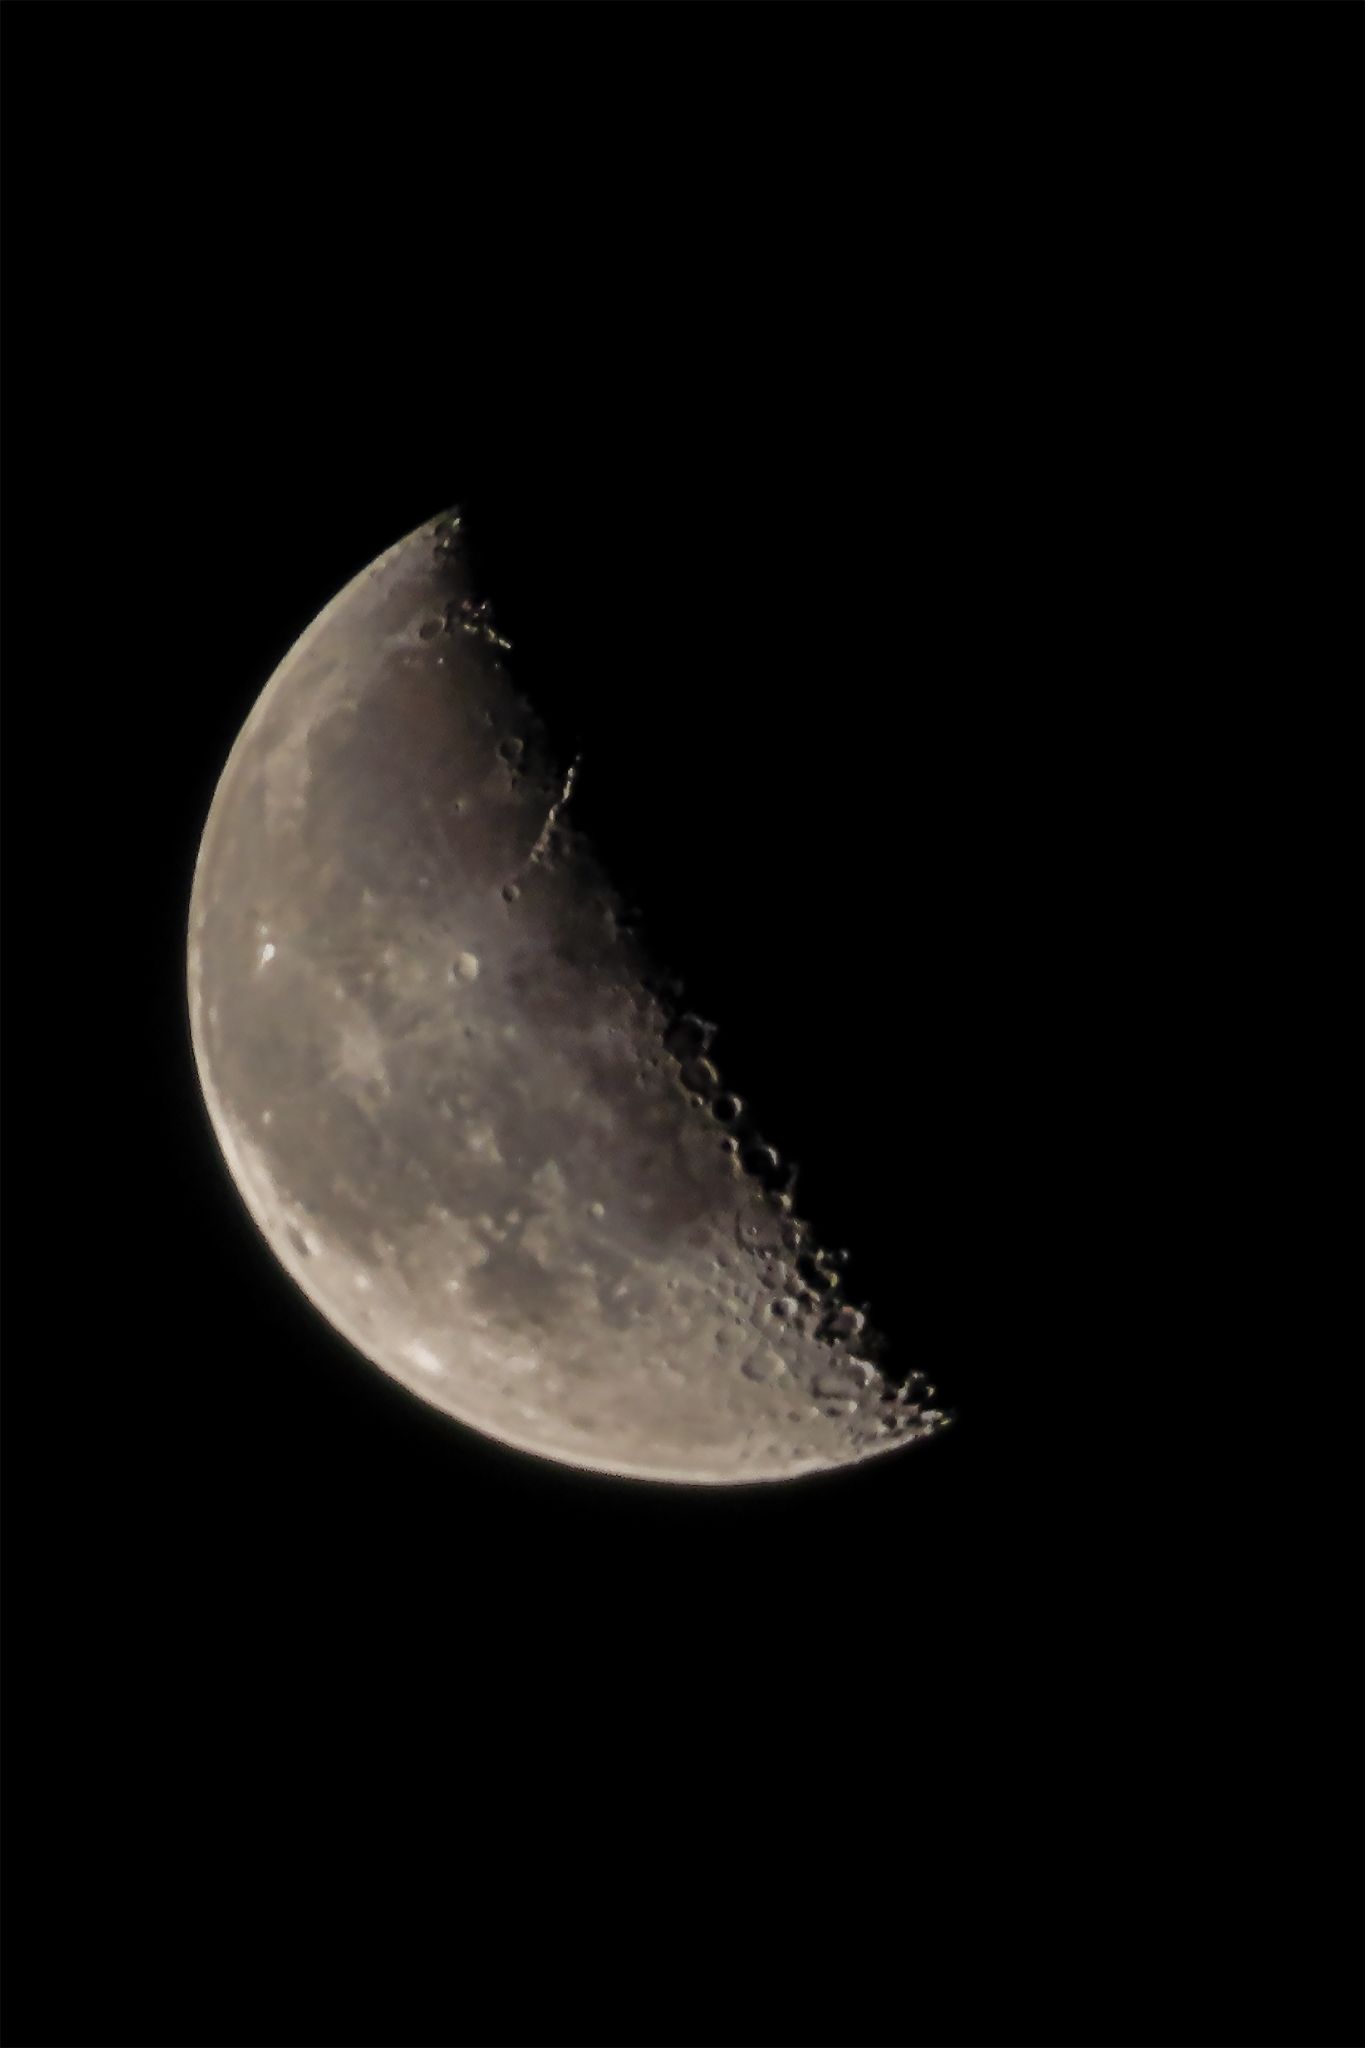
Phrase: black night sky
[914,456]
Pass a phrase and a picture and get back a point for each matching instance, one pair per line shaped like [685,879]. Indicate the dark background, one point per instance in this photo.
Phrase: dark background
[915,453]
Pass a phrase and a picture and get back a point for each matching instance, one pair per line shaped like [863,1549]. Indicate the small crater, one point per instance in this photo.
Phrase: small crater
[763,1365]
[817,1277]
[762,1162]
[689,1037]
[834,1386]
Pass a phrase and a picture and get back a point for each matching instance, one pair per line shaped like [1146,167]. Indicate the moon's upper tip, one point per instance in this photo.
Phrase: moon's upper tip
[448,520]
[444,528]
[442,534]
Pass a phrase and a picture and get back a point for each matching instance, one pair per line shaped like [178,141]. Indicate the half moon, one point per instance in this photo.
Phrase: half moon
[456,1101]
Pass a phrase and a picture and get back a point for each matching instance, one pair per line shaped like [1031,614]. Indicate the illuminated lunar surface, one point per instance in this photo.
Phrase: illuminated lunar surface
[468,1125]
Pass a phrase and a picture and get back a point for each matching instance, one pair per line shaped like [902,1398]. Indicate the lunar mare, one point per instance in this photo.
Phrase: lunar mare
[457,1103]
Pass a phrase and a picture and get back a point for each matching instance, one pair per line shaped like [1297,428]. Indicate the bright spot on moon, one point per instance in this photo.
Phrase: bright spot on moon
[422,1355]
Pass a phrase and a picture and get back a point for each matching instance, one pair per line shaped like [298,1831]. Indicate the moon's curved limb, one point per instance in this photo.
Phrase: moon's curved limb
[470,1131]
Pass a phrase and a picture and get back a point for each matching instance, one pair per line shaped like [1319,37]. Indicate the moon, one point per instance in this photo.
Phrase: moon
[467,1117]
